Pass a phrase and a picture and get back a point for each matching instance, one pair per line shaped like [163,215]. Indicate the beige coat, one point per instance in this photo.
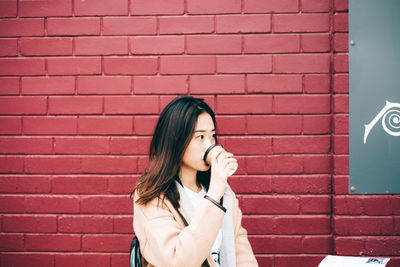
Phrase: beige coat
[165,242]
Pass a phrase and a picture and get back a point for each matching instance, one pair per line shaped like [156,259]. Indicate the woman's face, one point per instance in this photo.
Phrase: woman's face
[203,137]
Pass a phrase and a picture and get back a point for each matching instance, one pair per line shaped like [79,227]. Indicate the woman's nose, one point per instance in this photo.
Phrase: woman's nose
[208,142]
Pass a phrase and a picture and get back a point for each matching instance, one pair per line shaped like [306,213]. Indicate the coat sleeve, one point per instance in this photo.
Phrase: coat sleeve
[167,243]
[244,253]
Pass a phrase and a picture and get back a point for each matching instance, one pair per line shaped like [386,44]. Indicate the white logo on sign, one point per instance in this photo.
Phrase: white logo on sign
[390,115]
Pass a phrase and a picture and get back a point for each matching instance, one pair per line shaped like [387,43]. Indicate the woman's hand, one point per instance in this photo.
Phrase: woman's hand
[220,168]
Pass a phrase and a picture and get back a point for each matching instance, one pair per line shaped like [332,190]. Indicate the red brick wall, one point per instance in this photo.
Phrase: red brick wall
[82,84]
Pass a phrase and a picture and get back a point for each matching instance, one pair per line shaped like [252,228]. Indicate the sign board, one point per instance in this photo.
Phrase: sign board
[374,82]
[346,261]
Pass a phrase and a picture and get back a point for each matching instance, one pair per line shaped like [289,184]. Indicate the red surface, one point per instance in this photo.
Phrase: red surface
[81,87]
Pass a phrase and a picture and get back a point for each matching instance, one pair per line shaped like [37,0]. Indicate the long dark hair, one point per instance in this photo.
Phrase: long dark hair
[172,135]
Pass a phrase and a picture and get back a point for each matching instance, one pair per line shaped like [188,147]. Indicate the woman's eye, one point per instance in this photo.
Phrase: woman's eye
[200,136]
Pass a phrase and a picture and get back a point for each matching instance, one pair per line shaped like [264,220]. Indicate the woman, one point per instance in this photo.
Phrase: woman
[177,180]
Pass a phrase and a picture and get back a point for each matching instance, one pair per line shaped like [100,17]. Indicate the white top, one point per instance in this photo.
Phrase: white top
[215,250]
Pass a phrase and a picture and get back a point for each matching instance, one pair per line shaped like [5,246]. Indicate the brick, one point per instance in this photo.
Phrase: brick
[315,63]
[10,125]
[106,205]
[10,164]
[271,43]
[260,224]
[22,66]
[302,104]
[25,145]
[11,242]
[244,104]
[8,8]
[373,225]
[349,246]
[348,205]
[25,184]
[52,164]
[302,224]
[276,244]
[274,6]
[221,84]
[21,27]
[79,185]
[142,164]
[129,25]
[274,164]
[123,224]
[248,145]
[49,125]
[157,45]
[269,205]
[12,203]
[383,246]
[317,83]
[274,124]
[144,125]
[341,5]
[131,105]
[160,84]
[45,8]
[23,105]
[9,85]
[315,184]
[130,65]
[341,144]
[315,124]
[53,242]
[122,185]
[45,46]
[51,204]
[315,43]
[244,64]
[187,65]
[301,22]
[27,259]
[341,184]
[341,83]
[341,22]
[341,103]
[341,42]
[103,85]
[157,7]
[73,26]
[185,25]
[243,23]
[297,260]
[101,46]
[231,124]
[85,224]
[341,124]
[341,164]
[251,184]
[315,5]
[30,223]
[315,204]
[341,63]
[73,65]
[8,47]
[100,7]
[213,7]
[274,83]
[317,244]
[81,145]
[75,105]
[109,164]
[81,259]
[213,44]
[47,85]
[380,205]
[110,125]
[301,144]
[317,164]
